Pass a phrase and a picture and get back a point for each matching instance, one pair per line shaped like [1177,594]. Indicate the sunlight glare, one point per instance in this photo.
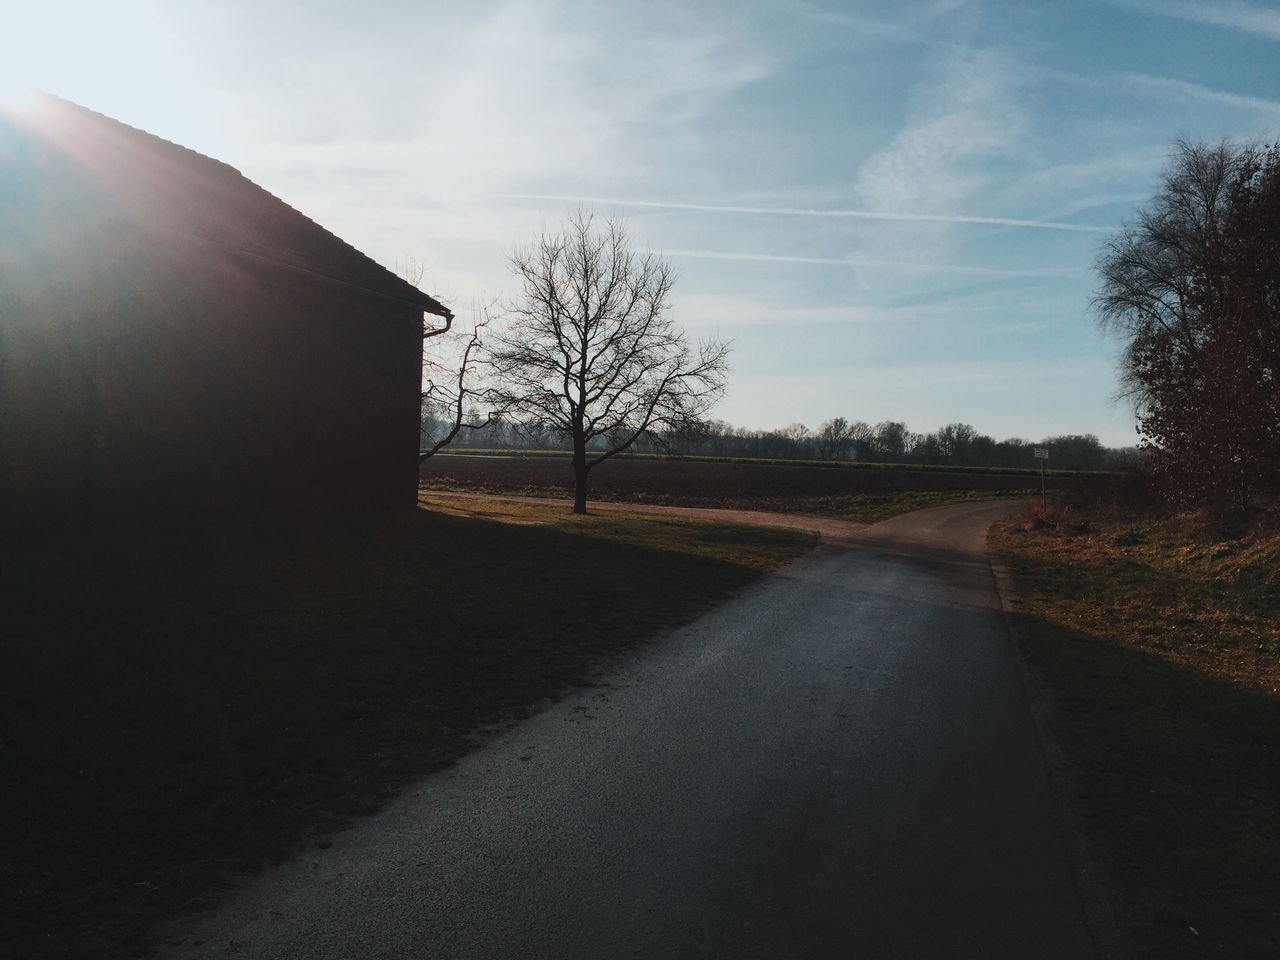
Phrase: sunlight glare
[16,90]
[15,96]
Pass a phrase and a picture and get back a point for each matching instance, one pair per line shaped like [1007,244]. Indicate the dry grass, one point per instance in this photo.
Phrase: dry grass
[1160,640]
[1176,588]
[177,707]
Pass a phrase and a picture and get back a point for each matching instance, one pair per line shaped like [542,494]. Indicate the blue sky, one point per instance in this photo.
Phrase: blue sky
[890,208]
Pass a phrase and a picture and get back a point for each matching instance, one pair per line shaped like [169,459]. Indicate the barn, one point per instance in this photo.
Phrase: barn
[176,340]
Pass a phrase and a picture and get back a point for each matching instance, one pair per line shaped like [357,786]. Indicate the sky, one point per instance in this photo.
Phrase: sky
[891,208]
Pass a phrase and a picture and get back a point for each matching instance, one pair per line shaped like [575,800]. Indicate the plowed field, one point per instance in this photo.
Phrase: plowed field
[860,494]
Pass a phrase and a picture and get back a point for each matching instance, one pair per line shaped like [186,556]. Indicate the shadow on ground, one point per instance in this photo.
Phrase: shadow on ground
[179,706]
[1176,778]
[839,760]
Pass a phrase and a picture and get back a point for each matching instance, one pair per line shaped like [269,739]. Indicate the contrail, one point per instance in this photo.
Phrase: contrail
[877,264]
[806,212]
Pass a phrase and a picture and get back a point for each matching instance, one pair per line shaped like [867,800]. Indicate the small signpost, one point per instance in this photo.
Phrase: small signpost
[1042,454]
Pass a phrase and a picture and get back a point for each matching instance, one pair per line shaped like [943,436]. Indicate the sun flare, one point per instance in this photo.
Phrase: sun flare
[16,91]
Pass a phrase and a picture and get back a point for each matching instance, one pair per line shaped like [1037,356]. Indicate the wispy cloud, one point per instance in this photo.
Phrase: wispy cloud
[904,32]
[1167,87]
[1234,14]
[813,212]
[1182,88]
[902,378]
[862,262]
[963,123]
[1092,202]
[522,93]
[1263,21]
[985,310]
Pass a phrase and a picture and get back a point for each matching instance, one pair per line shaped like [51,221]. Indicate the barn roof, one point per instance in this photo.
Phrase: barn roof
[166,186]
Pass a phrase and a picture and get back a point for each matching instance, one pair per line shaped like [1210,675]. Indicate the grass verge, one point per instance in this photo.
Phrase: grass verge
[1160,642]
[178,707]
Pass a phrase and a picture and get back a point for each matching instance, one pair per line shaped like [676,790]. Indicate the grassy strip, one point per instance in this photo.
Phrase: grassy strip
[768,462]
[179,706]
[861,507]
[1162,648]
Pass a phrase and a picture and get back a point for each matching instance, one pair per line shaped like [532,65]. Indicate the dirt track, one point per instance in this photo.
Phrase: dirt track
[835,531]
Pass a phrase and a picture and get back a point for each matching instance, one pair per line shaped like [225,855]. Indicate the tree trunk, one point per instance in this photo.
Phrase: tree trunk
[579,478]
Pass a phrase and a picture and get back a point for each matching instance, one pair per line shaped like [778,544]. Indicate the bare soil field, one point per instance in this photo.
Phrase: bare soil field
[864,495]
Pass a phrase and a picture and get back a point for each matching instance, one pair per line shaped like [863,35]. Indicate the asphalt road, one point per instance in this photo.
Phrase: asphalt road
[840,762]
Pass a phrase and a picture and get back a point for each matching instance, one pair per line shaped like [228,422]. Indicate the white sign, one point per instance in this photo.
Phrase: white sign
[1042,453]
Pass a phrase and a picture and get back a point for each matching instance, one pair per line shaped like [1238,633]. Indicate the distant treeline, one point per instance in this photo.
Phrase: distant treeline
[889,441]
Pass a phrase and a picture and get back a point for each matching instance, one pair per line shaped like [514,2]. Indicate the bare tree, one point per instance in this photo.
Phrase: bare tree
[449,369]
[450,393]
[954,441]
[834,438]
[590,350]
[861,434]
[892,438]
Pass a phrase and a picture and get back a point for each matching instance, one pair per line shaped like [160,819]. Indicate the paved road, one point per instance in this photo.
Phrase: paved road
[838,763]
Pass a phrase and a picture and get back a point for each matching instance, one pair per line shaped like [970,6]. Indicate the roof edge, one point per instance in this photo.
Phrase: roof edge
[413,295]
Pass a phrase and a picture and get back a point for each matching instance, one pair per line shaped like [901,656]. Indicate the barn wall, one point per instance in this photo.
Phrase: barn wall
[146,374]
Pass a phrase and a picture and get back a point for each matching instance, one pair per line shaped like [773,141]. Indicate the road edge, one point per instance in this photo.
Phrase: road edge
[1086,875]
